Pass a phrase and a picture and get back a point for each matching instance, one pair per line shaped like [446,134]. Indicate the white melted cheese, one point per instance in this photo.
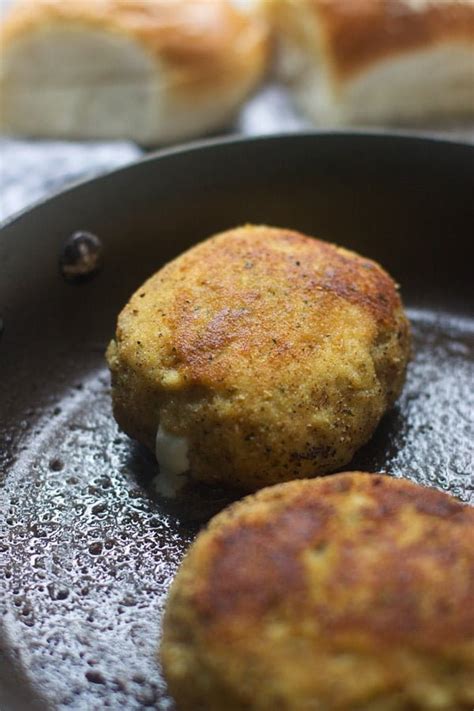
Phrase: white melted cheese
[172,456]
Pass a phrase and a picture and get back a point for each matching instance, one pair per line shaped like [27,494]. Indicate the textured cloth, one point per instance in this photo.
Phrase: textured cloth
[30,170]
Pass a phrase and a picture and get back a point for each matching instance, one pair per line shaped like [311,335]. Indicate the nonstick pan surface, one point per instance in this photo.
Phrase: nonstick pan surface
[87,551]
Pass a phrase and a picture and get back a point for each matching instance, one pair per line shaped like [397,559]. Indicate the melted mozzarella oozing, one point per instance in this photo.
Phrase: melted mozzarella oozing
[172,456]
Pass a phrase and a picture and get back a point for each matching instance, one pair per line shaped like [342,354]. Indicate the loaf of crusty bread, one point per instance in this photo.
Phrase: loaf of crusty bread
[377,61]
[149,70]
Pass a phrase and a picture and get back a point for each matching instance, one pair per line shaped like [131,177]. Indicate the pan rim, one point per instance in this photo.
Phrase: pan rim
[377,140]
[191,147]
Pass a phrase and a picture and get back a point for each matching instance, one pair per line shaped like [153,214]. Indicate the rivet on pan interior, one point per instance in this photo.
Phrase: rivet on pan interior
[81,257]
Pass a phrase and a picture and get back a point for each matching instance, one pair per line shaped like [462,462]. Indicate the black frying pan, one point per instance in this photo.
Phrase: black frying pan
[86,551]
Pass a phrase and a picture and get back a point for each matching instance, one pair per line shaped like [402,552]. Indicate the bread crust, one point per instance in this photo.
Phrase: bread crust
[202,43]
[355,34]
[152,71]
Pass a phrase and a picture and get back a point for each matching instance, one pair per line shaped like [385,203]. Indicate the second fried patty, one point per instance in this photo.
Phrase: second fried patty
[259,355]
[352,592]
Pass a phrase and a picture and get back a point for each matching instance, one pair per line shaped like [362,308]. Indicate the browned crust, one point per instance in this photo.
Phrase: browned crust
[357,33]
[199,41]
[401,571]
[277,265]
[273,353]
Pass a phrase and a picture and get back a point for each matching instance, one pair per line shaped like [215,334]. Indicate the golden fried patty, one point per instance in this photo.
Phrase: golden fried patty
[354,591]
[265,355]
